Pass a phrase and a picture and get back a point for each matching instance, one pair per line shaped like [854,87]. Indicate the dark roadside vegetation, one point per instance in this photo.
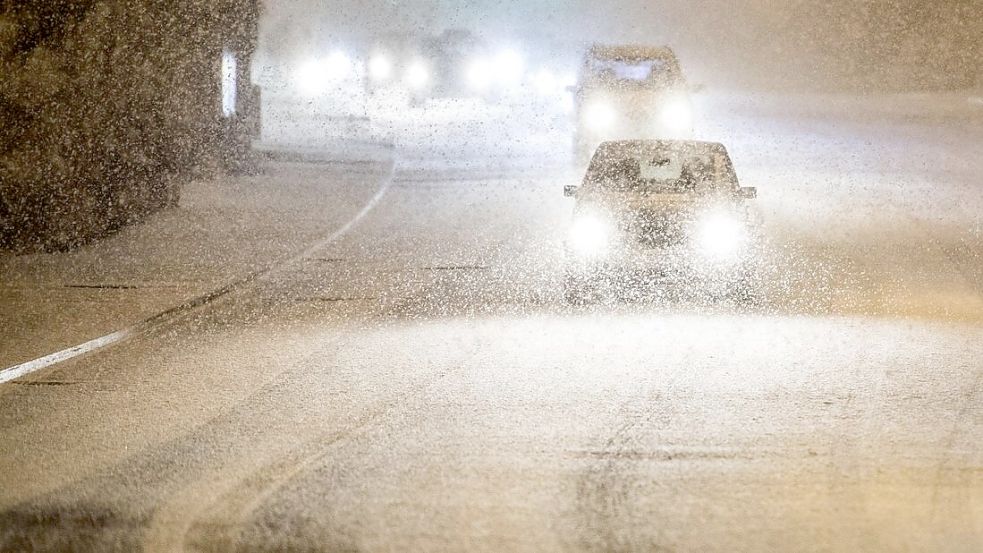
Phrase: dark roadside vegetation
[108,106]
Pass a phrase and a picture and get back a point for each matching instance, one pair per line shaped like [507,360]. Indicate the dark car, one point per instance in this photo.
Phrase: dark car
[653,212]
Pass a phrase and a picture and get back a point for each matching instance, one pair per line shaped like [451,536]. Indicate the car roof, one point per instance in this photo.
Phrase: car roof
[630,52]
[614,146]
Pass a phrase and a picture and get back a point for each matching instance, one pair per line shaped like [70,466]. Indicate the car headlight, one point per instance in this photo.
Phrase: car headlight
[311,78]
[600,116]
[721,235]
[417,75]
[676,115]
[380,68]
[590,235]
[509,67]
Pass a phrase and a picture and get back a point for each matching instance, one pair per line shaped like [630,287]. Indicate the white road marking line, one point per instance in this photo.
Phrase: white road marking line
[28,367]
[18,371]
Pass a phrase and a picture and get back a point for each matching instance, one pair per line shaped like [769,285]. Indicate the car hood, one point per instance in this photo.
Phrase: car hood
[669,205]
[637,96]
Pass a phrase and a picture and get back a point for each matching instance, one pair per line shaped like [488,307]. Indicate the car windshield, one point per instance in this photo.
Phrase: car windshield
[666,169]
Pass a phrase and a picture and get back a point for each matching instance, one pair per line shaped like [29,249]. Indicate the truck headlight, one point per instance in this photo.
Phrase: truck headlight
[600,116]
[590,235]
[721,236]
[676,115]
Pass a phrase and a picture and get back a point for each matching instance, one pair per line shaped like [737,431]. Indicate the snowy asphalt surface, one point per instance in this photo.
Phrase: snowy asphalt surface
[418,384]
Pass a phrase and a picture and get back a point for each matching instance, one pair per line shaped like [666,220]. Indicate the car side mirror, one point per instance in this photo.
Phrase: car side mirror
[747,192]
[570,190]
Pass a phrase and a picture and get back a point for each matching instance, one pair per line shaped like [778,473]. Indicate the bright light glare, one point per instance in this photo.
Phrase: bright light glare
[417,75]
[721,235]
[337,66]
[311,78]
[567,103]
[479,75]
[380,68]
[509,67]
[590,235]
[677,115]
[229,83]
[545,82]
[600,116]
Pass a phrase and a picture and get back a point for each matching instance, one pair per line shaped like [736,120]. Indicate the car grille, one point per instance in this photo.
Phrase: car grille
[656,230]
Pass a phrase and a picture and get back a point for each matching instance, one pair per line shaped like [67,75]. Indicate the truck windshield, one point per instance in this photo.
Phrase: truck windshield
[639,70]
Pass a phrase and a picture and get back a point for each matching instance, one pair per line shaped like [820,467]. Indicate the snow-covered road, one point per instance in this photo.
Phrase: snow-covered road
[418,384]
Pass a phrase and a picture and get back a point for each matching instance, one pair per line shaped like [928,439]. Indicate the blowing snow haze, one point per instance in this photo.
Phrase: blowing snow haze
[491,276]
[797,44]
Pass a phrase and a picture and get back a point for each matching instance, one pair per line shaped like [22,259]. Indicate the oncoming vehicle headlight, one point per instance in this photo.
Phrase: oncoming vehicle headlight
[676,115]
[721,235]
[590,235]
[600,116]
[417,75]
[311,78]
[337,66]
[380,68]
[509,67]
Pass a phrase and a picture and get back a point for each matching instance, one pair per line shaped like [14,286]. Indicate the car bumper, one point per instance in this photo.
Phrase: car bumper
[661,267]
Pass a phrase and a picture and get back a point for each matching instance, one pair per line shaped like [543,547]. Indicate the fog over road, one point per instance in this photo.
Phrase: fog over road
[418,384]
